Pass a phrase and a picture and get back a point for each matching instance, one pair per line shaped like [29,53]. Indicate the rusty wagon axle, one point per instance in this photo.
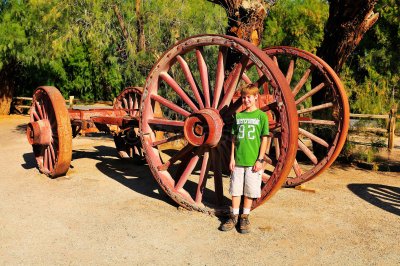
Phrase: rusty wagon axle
[180,121]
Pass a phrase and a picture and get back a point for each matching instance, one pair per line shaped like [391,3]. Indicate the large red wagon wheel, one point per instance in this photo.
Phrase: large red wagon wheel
[195,90]
[49,131]
[323,124]
[127,139]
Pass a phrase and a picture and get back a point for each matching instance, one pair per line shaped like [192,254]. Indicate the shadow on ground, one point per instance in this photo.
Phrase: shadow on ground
[385,197]
[30,161]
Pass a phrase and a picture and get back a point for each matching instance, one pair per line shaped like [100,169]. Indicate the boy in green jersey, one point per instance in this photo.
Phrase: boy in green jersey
[249,143]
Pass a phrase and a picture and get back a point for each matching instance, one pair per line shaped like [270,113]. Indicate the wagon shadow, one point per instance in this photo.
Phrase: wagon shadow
[21,128]
[385,197]
[133,176]
[29,161]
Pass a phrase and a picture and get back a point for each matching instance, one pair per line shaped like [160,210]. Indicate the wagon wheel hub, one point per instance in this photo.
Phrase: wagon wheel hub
[39,132]
[204,128]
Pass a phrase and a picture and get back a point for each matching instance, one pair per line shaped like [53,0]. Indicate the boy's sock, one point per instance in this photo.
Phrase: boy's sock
[246,211]
[235,211]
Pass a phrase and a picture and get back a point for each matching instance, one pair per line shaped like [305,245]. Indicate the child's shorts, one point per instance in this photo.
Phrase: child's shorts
[245,182]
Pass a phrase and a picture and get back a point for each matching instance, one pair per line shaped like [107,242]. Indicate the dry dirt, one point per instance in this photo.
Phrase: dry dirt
[106,211]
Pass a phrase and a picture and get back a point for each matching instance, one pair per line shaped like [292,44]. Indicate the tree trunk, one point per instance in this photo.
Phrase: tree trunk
[6,91]
[140,28]
[245,18]
[348,21]
[245,21]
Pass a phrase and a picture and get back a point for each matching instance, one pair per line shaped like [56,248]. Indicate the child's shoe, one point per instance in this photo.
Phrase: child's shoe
[244,224]
[230,223]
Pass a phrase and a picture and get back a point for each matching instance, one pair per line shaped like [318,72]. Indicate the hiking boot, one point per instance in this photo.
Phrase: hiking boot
[230,223]
[244,224]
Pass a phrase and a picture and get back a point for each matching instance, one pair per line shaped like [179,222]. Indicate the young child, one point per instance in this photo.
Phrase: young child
[249,142]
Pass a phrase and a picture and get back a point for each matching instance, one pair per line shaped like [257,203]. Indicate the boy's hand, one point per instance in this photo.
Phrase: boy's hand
[232,165]
[257,166]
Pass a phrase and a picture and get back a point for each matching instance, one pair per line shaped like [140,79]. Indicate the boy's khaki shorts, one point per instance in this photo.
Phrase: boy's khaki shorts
[245,182]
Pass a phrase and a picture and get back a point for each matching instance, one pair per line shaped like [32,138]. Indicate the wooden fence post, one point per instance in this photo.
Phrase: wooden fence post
[392,125]
[71,101]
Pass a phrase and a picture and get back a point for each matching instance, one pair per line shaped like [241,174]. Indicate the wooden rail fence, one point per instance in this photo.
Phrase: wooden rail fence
[391,118]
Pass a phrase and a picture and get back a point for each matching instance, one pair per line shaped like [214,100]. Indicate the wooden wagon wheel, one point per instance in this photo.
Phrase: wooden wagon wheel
[49,131]
[195,91]
[323,123]
[127,139]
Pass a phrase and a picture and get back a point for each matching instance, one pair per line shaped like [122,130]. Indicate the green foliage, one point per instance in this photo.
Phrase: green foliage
[296,23]
[373,71]
[78,46]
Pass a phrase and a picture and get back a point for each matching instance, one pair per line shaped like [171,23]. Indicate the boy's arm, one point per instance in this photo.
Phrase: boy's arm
[259,165]
[232,162]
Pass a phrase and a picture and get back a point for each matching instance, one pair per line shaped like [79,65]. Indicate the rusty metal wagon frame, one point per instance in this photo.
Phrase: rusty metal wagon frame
[180,121]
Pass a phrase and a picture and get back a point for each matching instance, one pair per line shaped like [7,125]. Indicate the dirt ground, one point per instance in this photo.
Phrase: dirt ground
[106,211]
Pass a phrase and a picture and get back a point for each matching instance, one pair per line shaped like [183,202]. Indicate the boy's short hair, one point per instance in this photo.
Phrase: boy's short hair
[249,89]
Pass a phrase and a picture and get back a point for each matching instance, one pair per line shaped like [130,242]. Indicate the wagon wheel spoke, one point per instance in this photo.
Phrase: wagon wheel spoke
[176,157]
[232,81]
[35,115]
[39,109]
[203,70]
[203,177]
[313,137]
[135,106]
[315,108]
[246,78]
[310,93]
[297,168]
[302,81]
[217,168]
[188,170]
[219,75]
[166,125]
[275,59]
[170,105]
[307,152]
[189,77]
[175,86]
[307,120]
[289,73]
[167,140]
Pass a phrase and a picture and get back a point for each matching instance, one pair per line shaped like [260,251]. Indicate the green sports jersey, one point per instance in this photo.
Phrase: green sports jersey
[248,129]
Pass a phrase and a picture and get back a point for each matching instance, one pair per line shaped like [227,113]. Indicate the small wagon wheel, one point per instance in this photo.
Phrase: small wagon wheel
[323,122]
[127,139]
[195,90]
[49,131]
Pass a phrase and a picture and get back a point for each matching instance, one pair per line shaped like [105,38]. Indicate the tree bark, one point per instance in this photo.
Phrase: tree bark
[245,18]
[348,21]
[6,91]
[140,28]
